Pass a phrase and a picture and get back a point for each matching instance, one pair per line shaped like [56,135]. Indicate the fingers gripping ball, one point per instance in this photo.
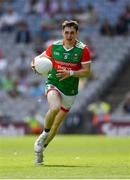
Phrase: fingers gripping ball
[43,66]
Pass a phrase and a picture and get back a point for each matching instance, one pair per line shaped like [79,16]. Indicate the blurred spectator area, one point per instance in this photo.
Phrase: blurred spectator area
[28,26]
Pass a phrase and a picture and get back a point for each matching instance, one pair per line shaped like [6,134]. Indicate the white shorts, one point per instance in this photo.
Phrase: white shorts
[66,101]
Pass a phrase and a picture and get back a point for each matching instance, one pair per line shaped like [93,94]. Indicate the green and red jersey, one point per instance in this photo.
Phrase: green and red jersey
[70,59]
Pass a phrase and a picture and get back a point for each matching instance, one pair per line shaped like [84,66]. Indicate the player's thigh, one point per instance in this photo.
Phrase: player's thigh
[54,99]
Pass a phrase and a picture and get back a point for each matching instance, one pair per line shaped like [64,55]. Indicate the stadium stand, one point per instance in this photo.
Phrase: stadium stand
[42,18]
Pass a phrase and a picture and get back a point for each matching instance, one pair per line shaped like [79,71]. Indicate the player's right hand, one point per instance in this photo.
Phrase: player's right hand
[33,65]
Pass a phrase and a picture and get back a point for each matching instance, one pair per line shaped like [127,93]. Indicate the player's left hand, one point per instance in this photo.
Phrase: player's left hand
[63,74]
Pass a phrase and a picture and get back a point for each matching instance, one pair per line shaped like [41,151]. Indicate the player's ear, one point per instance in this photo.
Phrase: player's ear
[77,32]
[62,32]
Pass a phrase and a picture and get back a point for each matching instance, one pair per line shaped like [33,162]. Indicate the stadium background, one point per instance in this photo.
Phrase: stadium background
[27,27]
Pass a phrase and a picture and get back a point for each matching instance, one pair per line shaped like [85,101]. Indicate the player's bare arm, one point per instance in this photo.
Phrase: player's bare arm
[83,72]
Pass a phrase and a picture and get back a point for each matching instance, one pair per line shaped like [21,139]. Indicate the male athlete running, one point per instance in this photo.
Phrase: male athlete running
[71,60]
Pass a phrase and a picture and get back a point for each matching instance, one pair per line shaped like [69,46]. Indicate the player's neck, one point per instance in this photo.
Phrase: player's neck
[69,45]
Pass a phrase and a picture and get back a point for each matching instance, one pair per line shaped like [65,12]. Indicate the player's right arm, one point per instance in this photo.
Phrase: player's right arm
[47,53]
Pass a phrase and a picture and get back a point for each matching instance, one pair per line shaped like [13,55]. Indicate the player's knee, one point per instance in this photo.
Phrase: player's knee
[55,109]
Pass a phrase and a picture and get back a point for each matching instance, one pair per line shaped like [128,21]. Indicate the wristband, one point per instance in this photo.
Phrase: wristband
[71,73]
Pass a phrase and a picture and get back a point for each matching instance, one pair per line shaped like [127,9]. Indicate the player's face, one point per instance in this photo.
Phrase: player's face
[69,34]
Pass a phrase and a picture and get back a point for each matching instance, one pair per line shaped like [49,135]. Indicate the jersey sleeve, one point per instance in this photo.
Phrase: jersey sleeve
[85,56]
[48,51]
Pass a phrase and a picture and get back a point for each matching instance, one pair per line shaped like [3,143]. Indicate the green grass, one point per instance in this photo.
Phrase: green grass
[66,157]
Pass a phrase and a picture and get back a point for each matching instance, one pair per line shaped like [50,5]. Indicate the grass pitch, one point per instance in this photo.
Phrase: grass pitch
[69,157]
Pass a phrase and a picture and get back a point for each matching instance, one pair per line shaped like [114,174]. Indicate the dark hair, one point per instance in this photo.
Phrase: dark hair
[70,23]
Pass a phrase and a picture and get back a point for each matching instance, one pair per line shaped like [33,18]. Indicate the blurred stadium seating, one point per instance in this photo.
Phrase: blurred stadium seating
[112,52]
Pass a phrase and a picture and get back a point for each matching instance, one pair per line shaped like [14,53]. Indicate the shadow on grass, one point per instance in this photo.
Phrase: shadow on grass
[61,165]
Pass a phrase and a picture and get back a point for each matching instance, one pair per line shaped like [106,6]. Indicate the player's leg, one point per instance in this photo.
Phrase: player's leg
[54,101]
[56,124]
[67,102]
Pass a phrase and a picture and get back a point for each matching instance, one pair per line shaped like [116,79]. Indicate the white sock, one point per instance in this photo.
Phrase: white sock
[45,133]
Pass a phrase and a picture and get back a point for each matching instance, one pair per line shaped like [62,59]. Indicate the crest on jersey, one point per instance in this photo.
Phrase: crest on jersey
[75,56]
